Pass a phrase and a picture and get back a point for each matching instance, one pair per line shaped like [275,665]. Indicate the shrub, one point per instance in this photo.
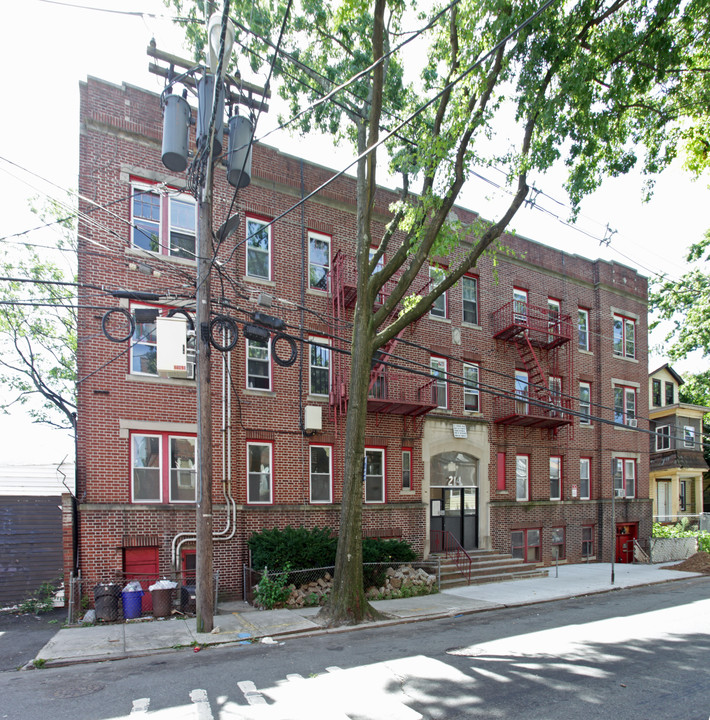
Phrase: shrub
[42,602]
[272,591]
[683,529]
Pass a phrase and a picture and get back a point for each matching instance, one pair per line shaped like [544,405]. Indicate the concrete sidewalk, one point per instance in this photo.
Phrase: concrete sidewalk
[240,623]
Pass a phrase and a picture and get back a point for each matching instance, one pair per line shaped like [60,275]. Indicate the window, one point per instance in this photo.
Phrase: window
[553,319]
[525,545]
[521,392]
[625,406]
[374,475]
[258,365]
[469,290]
[319,360]
[656,392]
[583,329]
[558,543]
[258,243]
[689,436]
[555,386]
[436,276]
[406,469]
[259,478]
[520,306]
[683,496]
[663,437]
[471,395]
[585,489]
[555,477]
[587,541]
[438,370]
[624,337]
[175,236]
[522,477]
[318,261]
[321,474]
[163,466]
[585,403]
[670,394]
[144,343]
[625,477]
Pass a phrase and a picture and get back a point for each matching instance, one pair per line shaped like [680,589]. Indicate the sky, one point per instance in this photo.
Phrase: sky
[48,48]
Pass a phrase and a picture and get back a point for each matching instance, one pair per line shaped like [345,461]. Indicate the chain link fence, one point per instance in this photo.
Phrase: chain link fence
[310,587]
[118,596]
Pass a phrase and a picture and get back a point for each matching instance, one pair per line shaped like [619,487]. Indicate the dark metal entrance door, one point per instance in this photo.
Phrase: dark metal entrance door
[455,510]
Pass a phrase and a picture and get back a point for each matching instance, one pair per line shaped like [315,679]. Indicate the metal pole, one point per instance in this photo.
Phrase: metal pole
[613,526]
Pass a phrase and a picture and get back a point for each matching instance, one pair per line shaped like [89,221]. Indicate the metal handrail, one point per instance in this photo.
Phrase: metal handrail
[448,544]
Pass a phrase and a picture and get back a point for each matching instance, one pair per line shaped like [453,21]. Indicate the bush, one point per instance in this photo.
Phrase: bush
[301,549]
[41,602]
[272,591]
[683,529]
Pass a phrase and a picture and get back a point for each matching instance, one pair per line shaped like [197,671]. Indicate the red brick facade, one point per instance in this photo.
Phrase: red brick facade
[120,146]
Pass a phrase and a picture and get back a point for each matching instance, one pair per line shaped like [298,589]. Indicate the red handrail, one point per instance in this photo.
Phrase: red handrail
[444,541]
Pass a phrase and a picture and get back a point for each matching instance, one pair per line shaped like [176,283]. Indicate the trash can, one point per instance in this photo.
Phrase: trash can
[162,601]
[132,603]
[187,599]
[106,601]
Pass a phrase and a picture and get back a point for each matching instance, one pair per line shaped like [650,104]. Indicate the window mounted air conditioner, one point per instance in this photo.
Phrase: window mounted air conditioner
[632,422]
[190,364]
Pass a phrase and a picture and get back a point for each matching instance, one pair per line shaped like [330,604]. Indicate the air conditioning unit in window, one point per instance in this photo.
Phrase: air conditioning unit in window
[632,422]
[190,364]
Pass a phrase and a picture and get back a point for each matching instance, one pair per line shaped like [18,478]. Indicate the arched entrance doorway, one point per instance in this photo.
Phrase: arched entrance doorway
[453,482]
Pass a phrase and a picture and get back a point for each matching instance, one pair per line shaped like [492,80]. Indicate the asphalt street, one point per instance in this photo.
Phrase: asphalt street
[637,653]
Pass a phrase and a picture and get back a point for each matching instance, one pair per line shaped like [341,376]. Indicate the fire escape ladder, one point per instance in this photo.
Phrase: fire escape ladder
[536,376]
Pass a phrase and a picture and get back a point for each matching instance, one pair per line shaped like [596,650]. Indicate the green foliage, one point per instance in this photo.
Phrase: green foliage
[41,602]
[273,591]
[39,663]
[299,549]
[683,529]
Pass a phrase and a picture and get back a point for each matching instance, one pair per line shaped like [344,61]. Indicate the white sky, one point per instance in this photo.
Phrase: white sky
[39,131]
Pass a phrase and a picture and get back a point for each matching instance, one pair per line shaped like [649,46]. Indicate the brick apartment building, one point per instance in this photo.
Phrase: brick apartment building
[516,417]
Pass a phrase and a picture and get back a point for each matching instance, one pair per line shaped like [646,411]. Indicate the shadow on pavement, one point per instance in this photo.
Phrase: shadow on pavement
[23,636]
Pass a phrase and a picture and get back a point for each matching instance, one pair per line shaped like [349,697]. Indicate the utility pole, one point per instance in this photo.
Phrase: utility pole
[176,130]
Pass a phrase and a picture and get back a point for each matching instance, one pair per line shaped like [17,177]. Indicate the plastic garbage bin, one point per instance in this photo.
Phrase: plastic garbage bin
[162,601]
[106,597]
[132,603]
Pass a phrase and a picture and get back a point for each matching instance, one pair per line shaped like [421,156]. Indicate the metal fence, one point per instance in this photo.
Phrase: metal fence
[106,595]
[311,586]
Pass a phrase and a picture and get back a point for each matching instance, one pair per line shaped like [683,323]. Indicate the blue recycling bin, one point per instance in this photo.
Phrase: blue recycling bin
[132,601]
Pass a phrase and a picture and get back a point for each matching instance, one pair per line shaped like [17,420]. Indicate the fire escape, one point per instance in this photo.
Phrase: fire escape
[390,392]
[542,338]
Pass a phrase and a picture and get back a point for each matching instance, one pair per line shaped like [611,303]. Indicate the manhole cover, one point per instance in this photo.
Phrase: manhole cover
[72,691]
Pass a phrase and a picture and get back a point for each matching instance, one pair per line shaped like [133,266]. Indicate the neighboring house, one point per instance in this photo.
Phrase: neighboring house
[31,527]
[513,415]
[677,461]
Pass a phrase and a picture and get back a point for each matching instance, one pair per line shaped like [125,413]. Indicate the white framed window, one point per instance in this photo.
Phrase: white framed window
[663,437]
[689,436]
[625,477]
[374,472]
[163,467]
[585,487]
[583,329]
[522,477]
[436,276]
[406,469]
[258,364]
[439,370]
[555,477]
[520,306]
[318,261]
[163,222]
[258,242]
[585,403]
[321,474]
[319,367]
[471,392]
[259,473]
[624,337]
[554,312]
[469,292]
[625,406]
[522,389]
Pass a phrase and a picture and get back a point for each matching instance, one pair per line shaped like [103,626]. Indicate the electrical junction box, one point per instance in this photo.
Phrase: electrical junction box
[313,417]
[171,337]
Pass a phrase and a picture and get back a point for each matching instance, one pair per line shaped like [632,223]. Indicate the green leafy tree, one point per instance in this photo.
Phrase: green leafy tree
[590,84]
[686,304]
[38,325]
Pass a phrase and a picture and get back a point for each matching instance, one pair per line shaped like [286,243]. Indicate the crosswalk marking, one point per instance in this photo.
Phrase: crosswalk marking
[251,694]
[199,698]
[140,706]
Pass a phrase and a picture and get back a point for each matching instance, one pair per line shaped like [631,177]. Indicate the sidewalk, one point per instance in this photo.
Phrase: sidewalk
[238,622]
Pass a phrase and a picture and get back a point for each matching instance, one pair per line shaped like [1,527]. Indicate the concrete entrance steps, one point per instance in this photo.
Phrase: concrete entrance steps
[487,566]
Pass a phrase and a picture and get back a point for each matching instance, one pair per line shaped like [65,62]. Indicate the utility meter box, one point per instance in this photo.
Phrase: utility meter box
[171,337]
[313,417]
